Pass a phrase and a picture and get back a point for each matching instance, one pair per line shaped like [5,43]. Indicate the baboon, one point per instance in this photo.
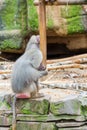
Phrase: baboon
[27,70]
[30,44]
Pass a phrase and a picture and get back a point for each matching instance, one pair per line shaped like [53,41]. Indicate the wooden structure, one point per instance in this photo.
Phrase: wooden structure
[42,19]
[42,28]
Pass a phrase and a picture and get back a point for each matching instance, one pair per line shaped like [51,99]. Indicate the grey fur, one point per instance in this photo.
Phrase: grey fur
[25,72]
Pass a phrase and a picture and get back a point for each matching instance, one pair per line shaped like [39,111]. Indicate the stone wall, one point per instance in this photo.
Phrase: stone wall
[46,113]
[13,24]
[18,22]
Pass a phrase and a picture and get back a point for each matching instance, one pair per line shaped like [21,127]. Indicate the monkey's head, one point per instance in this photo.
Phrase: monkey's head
[38,39]
[34,41]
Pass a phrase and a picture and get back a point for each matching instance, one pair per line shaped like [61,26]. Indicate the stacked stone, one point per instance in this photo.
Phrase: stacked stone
[44,113]
[13,24]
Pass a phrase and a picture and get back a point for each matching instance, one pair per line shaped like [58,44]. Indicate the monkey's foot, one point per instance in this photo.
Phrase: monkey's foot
[38,95]
[23,95]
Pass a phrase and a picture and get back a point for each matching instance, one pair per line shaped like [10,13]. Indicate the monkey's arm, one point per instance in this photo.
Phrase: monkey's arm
[36,58]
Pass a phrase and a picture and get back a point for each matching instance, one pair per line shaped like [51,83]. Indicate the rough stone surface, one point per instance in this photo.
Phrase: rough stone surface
[17,16]
[70,124]
[5,120]
[49,118]
[71,106]
[33,106]
[13,24]
[74,128]
[36,126]
[68,113]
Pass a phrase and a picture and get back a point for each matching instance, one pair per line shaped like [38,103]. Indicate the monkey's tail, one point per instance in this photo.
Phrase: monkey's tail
[14,113]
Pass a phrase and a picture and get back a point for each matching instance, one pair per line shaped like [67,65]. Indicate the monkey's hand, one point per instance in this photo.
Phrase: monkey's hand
[41,67]
[43,73]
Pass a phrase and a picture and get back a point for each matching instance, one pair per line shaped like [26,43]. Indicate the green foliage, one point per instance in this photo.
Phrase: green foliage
[71,11]
[32,16]
[4,105]
[13,43]
[21,15]
[74,25]
[50,23]
[8,15]
[73,17]
[56,107]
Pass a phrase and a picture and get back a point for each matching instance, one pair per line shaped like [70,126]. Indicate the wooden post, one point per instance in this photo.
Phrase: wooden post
[42,29]
[64,2]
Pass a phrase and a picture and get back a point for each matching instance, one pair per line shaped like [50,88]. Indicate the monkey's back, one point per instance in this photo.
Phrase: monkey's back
[24,73]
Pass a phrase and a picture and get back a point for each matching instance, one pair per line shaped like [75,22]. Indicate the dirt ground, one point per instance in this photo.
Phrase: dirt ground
[58,84]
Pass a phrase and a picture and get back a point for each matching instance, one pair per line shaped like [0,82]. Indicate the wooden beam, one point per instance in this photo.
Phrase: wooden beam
[63,2]
[42,29]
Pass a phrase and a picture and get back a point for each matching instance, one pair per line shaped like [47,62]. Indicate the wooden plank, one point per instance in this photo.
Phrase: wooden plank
[63,2]
[81,66]
[76,57]
[42,29]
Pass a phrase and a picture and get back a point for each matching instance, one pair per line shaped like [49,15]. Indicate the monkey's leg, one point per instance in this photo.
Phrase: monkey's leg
[31,92]
[36,93]
[37,86]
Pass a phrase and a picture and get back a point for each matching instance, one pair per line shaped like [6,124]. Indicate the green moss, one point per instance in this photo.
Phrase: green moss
[71,11]
[4,105]
[84,106]
[36,126]
[33,117]
[22,14]
[84,110]
[14,15]
[74,25]
[32,16]
[73,17]
[26,108]
[50,23]
[33,107]
[54,108]
[8,15]
[12,43]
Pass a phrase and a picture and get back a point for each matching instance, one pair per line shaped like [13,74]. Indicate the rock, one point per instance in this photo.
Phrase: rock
[5,120]
[5,104]
[36,126]
[33,106]
[1,67]
[69,124]
[33,118]
[13,25]
[70,105]
[66,118]
[83,101]
[49,118]
[74,128]
[69,113]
